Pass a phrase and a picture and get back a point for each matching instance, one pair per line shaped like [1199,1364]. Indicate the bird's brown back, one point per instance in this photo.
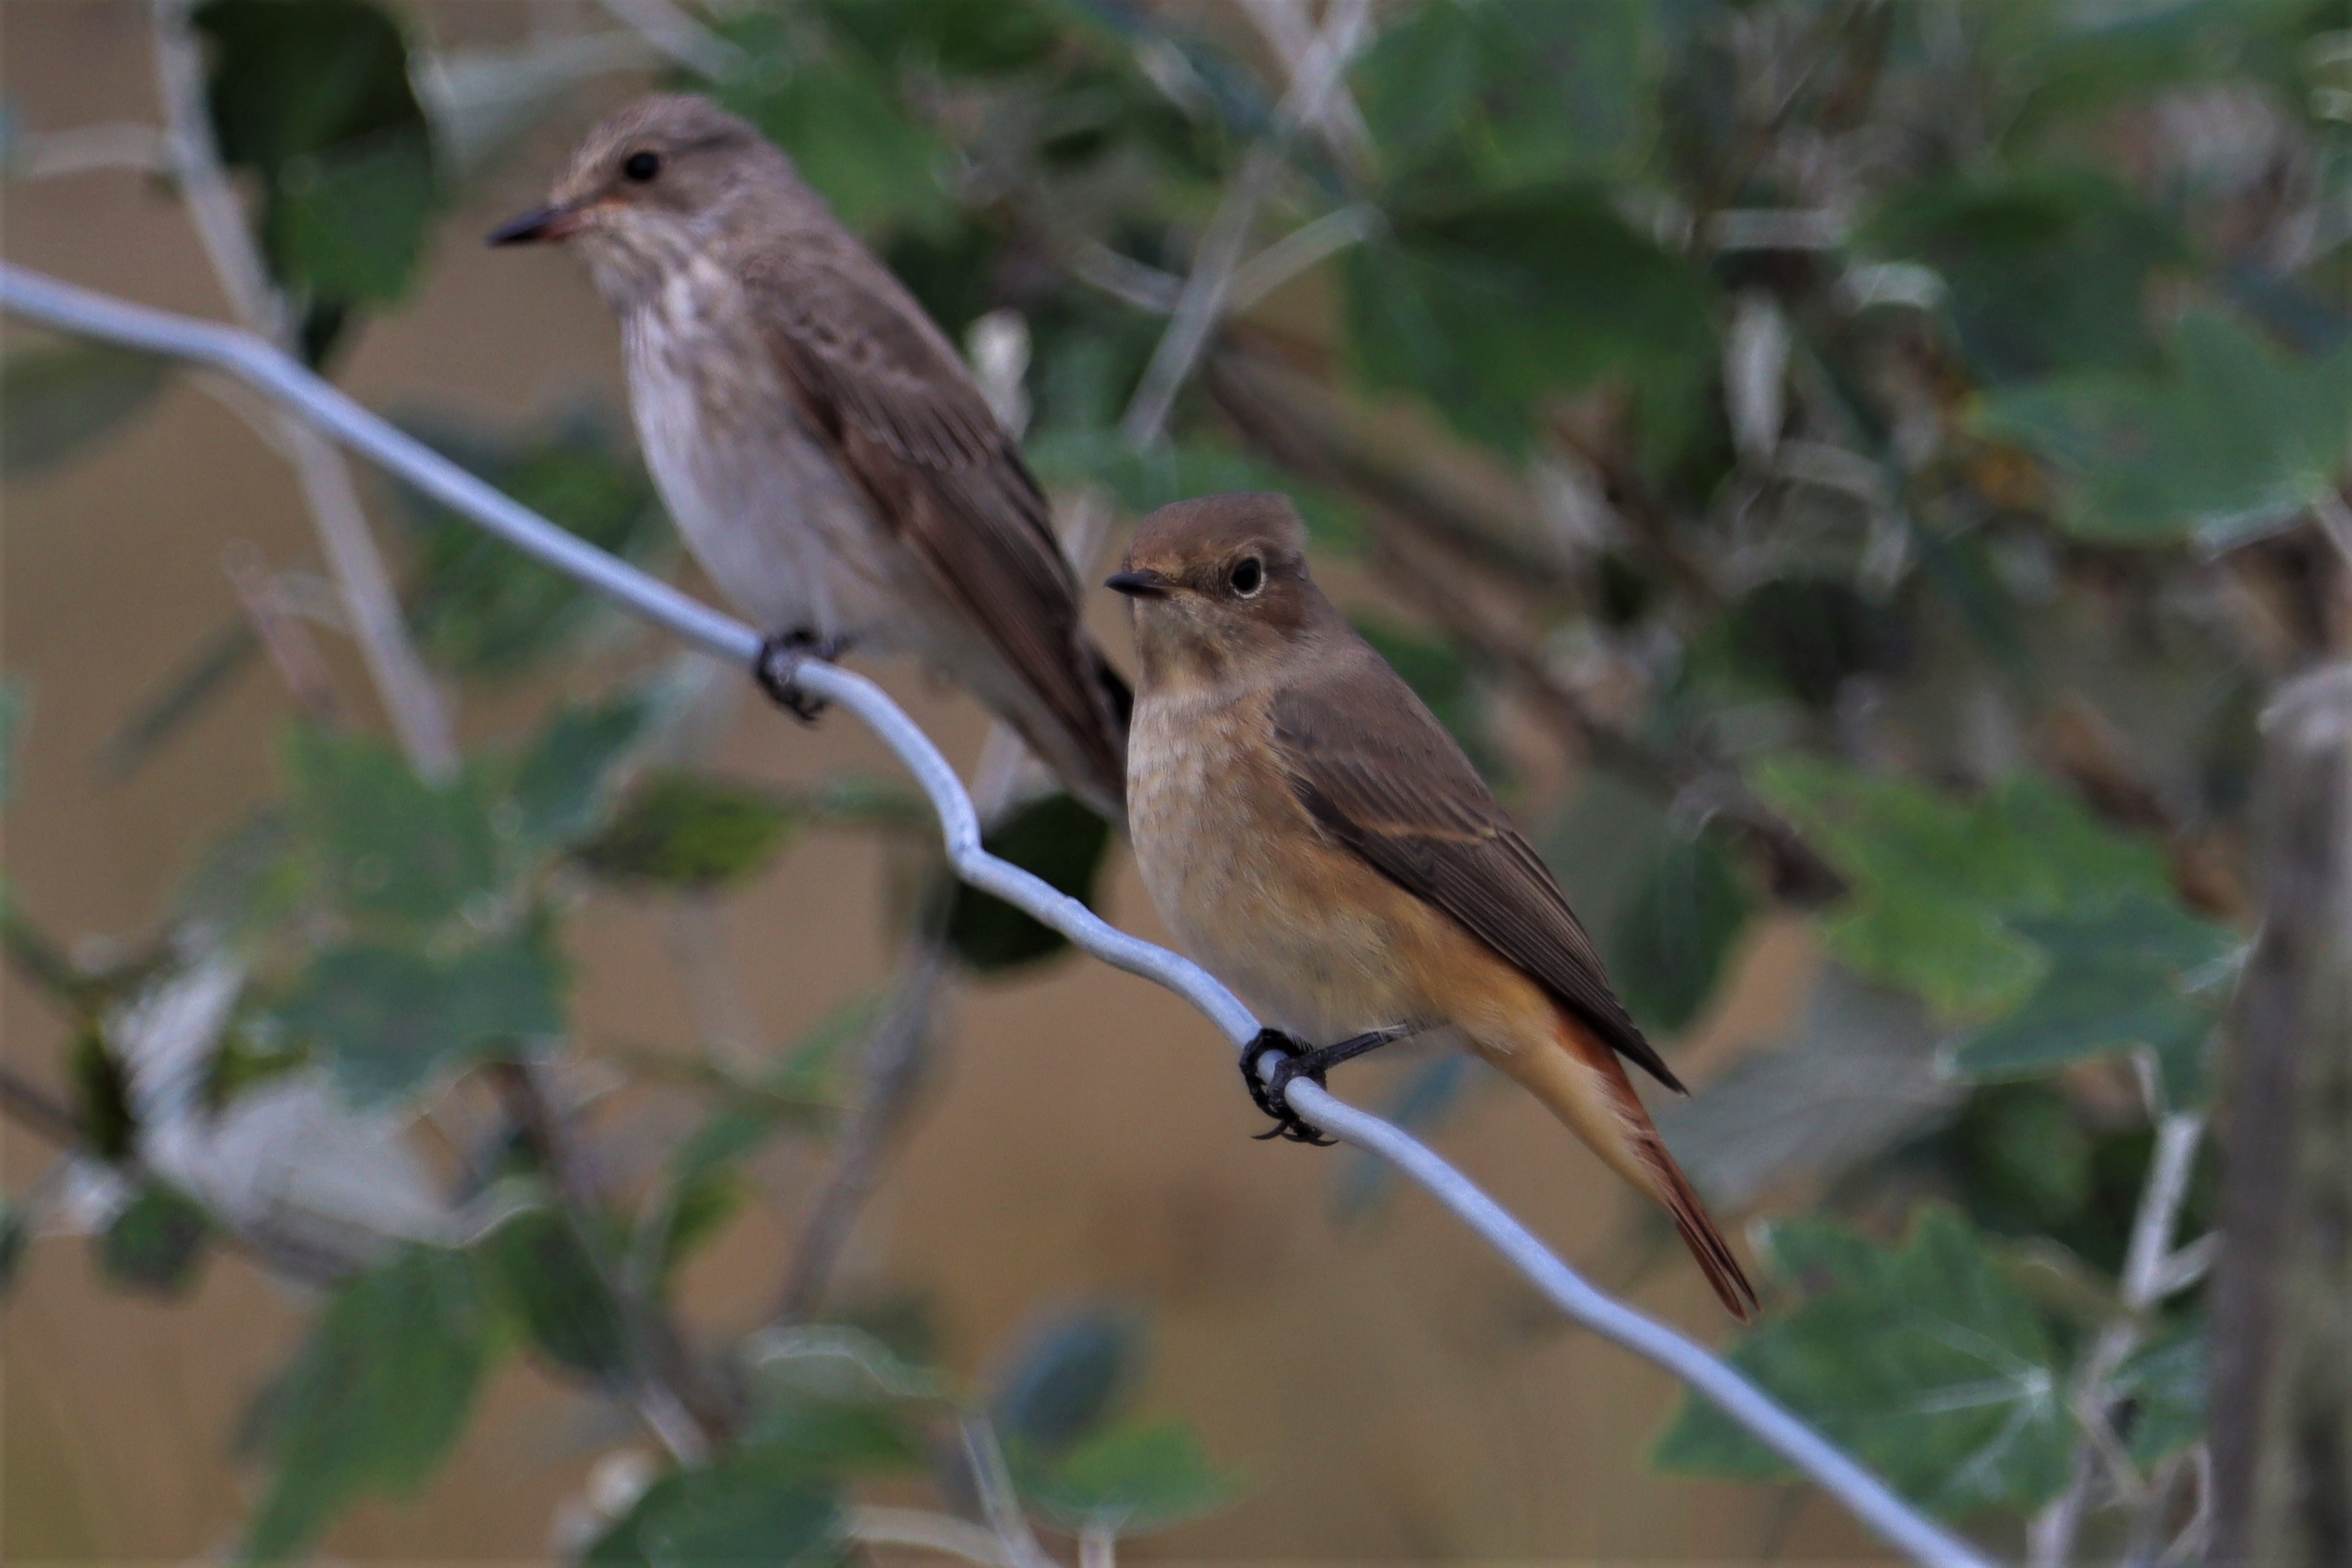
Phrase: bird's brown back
[912,430]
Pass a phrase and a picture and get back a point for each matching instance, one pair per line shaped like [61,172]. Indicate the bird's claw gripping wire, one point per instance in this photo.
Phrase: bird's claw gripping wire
[778,664]
[1270,1093]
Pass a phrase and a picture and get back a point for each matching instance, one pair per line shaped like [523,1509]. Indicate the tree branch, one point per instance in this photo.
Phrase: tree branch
[370,607]
[668,1393]
[1202,304]
[887,1069]
[2282,1388]
[65,308]
[2051,1542]
[36,1108]
[921,1529]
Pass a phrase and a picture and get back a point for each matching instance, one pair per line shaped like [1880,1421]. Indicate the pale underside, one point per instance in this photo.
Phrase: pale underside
[765,505]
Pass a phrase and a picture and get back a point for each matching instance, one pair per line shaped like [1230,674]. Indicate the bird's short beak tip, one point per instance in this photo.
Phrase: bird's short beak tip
[1137,584]
[532,228]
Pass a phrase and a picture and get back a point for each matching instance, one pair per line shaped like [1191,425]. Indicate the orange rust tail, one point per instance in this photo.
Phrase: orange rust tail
[1584,1084]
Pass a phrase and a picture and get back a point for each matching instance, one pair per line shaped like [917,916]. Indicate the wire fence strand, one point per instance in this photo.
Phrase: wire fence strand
[34,297]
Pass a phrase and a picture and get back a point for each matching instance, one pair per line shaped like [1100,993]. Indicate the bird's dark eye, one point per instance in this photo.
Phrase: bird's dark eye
[641,166]
[1247,577]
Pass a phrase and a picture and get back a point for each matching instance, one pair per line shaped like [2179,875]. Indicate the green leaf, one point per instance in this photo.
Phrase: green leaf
[837,1439]
[296,77]
[1494,308]
[1924,1362]
[2076,64]
[841,1363]
[1056,839]
[376,1398]
[1935,881]
[2026,1164]
[101,1095]
[247,884]
[1663,907]
[156,1242]
[2136,973]
[56,401]
[1490,94]
[687,831]
[1131,1479]
[2166,1383]
[1070,1374]
[839,116]
[1193,465]
[480,606]
[555,1291]
[833,1401]
[562,784]
[1441,677]
[313,97]
[390,844]
[694,1211]
[2235,440]
[2047,271]
[350,223]
[387,1019]
[752,1507]
[1672,940]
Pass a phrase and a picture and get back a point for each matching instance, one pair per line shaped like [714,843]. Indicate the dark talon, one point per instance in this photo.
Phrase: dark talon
[779,661]
[1298,1062]
[1268,1093]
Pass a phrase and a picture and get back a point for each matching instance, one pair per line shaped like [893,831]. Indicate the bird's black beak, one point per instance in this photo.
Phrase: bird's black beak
[537,228]
[1141,584]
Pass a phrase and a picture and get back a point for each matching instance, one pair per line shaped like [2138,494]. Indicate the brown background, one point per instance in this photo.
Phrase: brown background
[1389,1387]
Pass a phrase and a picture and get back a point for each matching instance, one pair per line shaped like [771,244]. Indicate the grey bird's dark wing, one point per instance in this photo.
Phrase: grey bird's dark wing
[1383,777]
[915,433]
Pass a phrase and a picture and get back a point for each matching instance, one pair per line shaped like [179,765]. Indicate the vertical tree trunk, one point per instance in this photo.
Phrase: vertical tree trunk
[2282,1429]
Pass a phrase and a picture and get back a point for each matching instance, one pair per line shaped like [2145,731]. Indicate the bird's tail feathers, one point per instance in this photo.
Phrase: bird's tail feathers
[1088,747]
[1584,1084]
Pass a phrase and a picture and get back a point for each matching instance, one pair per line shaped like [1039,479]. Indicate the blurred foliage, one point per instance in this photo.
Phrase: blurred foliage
[479,606]
[375,1397]
[681,830]
[55,402]
[1920,1359]
[2236,441]
[2138,974]
[156,1242]
[1888,437]
[1939,886]
[314,97]
[1053,838]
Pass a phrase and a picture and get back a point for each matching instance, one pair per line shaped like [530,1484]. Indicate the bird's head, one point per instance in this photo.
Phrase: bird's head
[1219,587]
[653,185]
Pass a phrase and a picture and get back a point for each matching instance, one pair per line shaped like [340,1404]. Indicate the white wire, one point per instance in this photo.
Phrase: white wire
[60,305]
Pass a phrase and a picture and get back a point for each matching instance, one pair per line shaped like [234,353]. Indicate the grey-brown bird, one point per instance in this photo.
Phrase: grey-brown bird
[1318,840]
[821,446]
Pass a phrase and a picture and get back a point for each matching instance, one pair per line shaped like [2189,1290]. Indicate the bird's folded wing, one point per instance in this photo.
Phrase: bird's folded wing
[1383,778]
[914,431]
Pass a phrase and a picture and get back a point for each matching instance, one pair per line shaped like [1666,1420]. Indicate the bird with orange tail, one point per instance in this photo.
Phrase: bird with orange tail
[1315,839]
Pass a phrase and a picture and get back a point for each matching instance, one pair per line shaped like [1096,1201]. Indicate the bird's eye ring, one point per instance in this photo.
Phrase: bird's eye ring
[641,166]
[1247,577]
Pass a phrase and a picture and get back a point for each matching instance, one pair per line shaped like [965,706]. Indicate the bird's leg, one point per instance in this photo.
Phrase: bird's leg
[1298,1062]
[779,661]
